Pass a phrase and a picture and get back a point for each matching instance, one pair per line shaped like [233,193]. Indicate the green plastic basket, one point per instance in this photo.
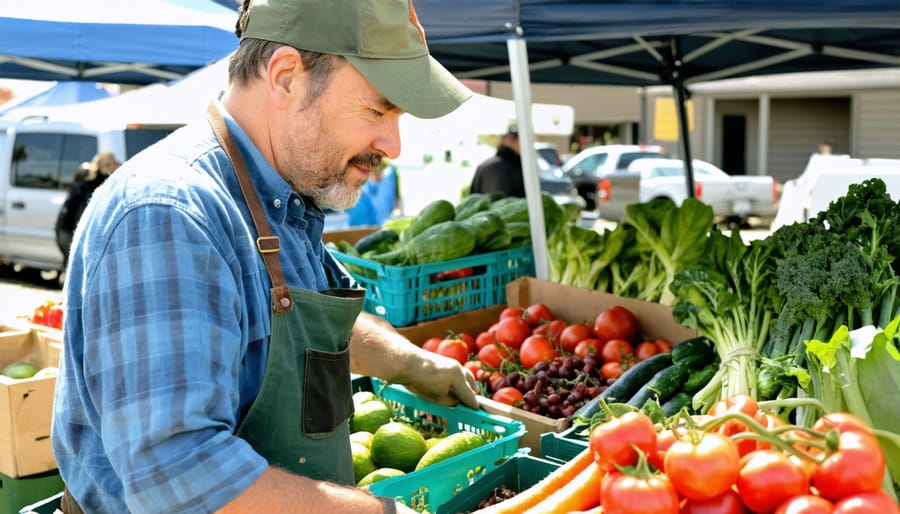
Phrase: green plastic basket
[518,473]
[431,486]
[18,494]
[405,295]
[562,446]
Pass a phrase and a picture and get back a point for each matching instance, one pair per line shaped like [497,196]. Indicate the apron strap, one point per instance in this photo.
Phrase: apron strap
[267,244]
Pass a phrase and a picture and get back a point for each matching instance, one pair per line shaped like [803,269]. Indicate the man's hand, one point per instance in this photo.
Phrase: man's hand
[440,380]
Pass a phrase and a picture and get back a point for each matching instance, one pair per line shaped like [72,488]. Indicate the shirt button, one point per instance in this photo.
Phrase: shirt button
[297,201]
[277,203]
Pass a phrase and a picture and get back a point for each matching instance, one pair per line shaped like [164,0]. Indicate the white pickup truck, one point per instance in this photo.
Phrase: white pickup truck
[734,199]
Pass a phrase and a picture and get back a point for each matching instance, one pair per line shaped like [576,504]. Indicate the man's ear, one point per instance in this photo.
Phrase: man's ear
[284,71]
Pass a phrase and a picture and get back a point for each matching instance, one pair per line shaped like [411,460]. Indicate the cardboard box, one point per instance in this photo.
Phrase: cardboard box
[351,235]
[570,304]
[26,405]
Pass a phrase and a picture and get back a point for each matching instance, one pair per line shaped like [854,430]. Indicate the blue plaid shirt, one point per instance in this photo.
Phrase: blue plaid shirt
[167,324]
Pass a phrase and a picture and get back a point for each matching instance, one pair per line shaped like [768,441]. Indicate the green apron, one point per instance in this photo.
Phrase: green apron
[300,418]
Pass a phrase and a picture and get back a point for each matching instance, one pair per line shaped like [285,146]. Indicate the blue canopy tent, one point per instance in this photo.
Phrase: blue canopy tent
[61,93]
[133,42]
[650,42]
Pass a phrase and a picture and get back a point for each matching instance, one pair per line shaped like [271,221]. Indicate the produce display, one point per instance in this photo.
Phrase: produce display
[49,314]
[737,458]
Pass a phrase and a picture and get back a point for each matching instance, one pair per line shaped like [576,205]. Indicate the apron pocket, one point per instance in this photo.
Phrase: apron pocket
[327,395]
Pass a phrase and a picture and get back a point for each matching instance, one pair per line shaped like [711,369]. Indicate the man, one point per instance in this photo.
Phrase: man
[209,335]
[501,173]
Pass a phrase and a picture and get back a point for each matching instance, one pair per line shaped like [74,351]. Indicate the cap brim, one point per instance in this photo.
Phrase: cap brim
[420,86]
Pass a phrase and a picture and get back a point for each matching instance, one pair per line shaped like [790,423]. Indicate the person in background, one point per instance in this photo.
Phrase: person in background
[379,197]
[210,336]
[502,172]
[86,180]
[825,147]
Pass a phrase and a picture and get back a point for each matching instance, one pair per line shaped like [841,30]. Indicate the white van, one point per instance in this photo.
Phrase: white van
[38,159]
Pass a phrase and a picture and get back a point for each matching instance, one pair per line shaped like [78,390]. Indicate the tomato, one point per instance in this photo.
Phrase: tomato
[664,345]
[856,467]
[770,422]
[574,334]
[431,344]
[612,369]
[767,479]
[867,503]
[455,349]
[645,350]
[508,395]
[39,316]
[54,317]
[841,422]
[745,404]
[476,368]
[454,274]
[512,312]
[702,465]
[536,349]
[806,504]
[493,355]
[538,313]
[614,441]
[624,494]
[616,350]
[617,322]
[664,440]
[492,379]
[485,338]
[512,332]
[589,346]
[469,340]
[553,330]
[726,503]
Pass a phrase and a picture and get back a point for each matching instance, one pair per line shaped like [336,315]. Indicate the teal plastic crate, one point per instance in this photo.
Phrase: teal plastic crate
[518,473]
[563,446]
[431,486]
[405,295]
[16,493]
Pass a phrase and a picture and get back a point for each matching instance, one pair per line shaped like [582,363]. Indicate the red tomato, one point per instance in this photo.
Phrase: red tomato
[867,503]
[485,338]
[664,440]
[616,323]
[645,350]
[511,312]
[508,395]
[624,494]
[616,350]
[743,403]
[553,330]
[493,355]
[702,465]
[664,345]
[589,346]
[538,313]
[512,332]
[54,316]
[767,479]
[856,467]
[469,340]
[842,422]
[806,504]
[431,344]
[476,368]
[536,349]
[493,378]
[455,349]
[574,334]
[614,441]
[39,316]
[611,369]
[726,503]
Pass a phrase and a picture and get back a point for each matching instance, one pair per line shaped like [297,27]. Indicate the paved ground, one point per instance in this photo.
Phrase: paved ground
[22,291]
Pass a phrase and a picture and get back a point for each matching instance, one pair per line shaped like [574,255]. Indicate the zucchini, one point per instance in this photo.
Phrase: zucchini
[699,378]
[694,353]
[499,241]
[435,212]
[485,224]
[511,209]
[441,242]
[674,404]
[379,241]
[471,205]
[628,383]
[664,385]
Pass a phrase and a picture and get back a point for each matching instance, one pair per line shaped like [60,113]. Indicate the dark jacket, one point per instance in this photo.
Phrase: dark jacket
[501,173]
[71,210]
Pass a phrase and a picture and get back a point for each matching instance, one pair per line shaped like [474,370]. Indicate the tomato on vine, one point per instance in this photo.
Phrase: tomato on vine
[767,479]
[455,349]
[702,464]
[806,504]
[867,503]
[512,332]
[728,502]
[536,348]
[621,493]
[615,440]
[574,334]
[857,466]
[538,313]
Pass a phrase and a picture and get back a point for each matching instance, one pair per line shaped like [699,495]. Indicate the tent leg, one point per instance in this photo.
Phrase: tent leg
[680,100]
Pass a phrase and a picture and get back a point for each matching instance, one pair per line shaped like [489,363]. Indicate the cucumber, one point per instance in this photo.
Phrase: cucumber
[628,383]
[664,385]
[435,212]
[472,205]
[444,241]
[694,353]
[674,404]
[379,241]
[699,378]
[485,224]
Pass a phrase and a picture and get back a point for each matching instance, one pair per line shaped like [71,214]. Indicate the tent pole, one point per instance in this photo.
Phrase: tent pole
[521,85]
[680,92]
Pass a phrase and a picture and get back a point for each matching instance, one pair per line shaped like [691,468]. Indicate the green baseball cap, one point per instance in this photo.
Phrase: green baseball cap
[382,39]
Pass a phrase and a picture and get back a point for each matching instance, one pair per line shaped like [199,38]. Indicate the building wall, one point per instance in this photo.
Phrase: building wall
[877,114]
[798,125]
